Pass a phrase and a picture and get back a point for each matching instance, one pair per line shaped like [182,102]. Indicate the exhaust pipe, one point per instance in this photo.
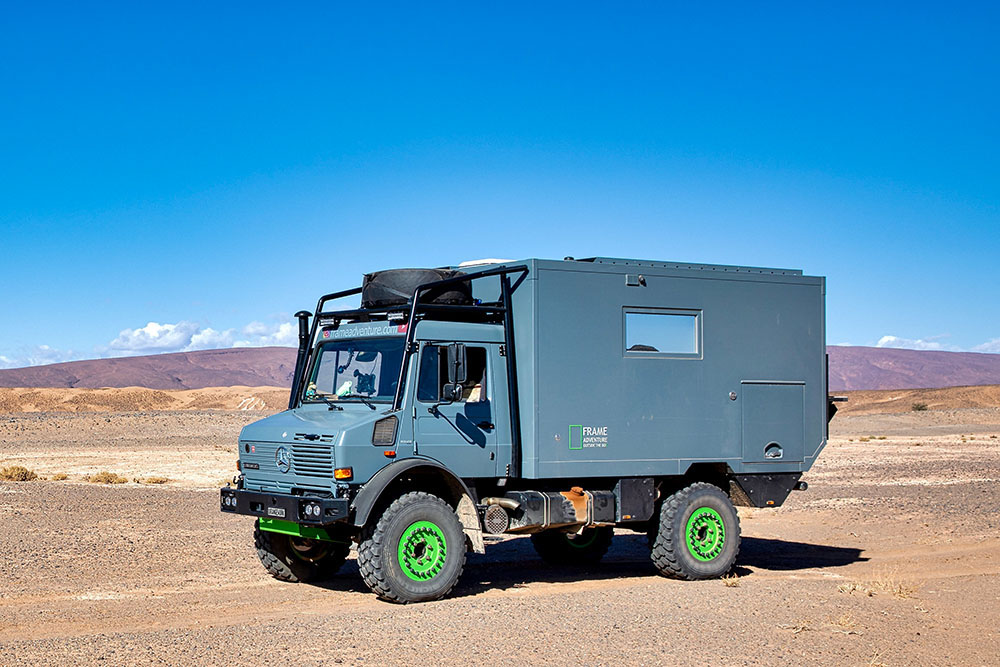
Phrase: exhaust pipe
[300,360]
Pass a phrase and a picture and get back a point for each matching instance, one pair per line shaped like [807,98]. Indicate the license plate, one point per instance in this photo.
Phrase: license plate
[276,511]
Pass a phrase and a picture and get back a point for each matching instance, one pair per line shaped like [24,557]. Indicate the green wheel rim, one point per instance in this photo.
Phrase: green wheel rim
[422,551]
[705,534]
[583,540]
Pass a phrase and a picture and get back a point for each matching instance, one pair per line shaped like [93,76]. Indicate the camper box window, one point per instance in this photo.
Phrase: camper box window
[651,332]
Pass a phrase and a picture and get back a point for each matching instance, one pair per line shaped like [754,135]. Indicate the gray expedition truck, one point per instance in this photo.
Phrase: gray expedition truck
[559,399]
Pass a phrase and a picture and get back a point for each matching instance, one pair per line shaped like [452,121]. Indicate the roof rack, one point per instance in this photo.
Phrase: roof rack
[684,266]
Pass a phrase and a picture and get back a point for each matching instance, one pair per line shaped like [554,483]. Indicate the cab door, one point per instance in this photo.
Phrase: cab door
[460,434]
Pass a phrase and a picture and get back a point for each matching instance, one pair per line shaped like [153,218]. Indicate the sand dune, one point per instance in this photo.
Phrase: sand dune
[132,399]
[903,400]
[272,399]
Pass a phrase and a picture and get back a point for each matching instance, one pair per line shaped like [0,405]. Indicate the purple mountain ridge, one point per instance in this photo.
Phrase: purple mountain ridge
[249,366]
[850,368]
[889,368]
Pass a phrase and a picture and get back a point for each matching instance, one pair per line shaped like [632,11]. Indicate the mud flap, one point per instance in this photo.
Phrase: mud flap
[469,517]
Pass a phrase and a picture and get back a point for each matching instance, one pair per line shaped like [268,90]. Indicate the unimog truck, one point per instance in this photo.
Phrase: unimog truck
[556,399]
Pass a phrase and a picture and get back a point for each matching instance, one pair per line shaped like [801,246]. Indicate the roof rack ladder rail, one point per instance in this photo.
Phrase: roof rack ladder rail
[512,398]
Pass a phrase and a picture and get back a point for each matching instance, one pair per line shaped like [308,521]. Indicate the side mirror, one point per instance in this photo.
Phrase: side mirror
[457,371]
[451,393]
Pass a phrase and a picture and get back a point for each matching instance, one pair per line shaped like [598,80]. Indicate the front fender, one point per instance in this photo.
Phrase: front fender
[370,494]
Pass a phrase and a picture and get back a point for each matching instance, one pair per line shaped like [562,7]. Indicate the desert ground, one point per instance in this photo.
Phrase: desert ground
[891,557]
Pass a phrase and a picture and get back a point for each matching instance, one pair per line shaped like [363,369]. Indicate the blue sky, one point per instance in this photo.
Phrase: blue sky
[186,176]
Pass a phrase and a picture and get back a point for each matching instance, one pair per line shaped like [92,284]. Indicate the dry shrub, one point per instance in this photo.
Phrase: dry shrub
[855,586]
[731,580]
[796,628]
[919,407]
[889,582]
[105,477]
[846,625]
[17,474]
[153,480]
[59,476]
[876,660]
[883,581]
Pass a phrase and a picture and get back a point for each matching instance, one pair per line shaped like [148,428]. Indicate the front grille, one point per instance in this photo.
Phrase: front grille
[312,460]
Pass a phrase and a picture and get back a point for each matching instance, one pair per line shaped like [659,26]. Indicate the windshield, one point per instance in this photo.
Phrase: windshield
[365,369]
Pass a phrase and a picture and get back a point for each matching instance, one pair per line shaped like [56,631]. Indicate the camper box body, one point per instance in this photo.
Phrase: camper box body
[749,390]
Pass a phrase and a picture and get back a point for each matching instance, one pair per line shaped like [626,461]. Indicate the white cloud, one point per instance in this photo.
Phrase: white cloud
[992,346]
[258,334]
[187,336]
[153,338]
[157,338]
[935,343]
[37,356]
[210,339]
[930,343]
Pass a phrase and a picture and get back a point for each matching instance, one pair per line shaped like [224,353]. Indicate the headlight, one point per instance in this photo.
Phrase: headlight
[385,431]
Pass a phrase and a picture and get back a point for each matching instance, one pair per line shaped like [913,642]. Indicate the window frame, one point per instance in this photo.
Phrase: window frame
[313,370]
[442,357]
[420,368]
[696,313]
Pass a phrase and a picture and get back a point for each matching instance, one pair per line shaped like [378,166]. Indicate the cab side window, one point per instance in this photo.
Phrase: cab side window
[433,374]
[429,378]
[474,389]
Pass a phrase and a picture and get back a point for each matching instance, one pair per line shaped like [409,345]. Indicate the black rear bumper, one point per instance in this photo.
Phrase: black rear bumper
[283,506]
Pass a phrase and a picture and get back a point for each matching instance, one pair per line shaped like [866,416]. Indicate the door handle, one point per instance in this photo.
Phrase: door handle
[486,426]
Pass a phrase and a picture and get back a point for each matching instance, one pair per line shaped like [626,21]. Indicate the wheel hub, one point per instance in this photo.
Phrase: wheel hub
[422,551]
[705,534]
[308,550]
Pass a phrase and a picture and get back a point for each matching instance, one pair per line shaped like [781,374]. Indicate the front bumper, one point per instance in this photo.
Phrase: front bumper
[284,506]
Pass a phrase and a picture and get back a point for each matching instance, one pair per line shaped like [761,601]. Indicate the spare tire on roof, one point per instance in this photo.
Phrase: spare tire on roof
[395,287]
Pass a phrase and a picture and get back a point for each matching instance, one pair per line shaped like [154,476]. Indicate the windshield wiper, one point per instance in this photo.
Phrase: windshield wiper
[363,400]
[331,404]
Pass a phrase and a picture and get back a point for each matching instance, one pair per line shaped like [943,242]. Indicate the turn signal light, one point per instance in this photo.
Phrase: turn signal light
[343,473]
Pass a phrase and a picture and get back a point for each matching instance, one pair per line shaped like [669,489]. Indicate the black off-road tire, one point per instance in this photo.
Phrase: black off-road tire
[433,549]
[698,534]
[298,559]
[559,548]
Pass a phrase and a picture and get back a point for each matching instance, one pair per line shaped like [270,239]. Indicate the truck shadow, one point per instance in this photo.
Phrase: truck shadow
[781,555]
[513,563]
